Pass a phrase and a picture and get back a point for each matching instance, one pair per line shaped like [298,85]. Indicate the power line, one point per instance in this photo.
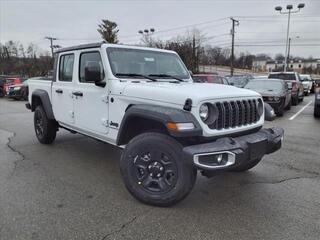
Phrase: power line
[278,45]
[181,27]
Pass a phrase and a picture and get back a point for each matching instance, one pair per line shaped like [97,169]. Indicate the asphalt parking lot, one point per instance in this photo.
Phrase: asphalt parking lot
[73,189]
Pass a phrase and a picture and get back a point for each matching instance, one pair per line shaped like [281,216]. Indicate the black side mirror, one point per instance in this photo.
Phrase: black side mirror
[92,73]
[269,114]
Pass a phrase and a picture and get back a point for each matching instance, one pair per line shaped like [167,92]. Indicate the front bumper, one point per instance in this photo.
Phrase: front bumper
[239,150]
[277,106]
[14,94]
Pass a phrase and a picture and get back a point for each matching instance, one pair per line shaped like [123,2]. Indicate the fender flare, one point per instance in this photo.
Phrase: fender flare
[161,115]
[45,100]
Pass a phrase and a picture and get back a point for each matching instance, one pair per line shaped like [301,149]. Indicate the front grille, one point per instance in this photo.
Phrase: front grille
[236,113]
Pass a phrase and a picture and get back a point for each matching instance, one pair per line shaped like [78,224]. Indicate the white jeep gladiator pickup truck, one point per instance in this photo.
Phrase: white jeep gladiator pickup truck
[144,101]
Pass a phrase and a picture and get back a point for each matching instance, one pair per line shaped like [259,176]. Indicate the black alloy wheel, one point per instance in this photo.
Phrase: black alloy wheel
[155,170]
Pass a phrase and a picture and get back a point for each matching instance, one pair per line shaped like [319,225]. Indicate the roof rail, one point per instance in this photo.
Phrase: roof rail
[82,46]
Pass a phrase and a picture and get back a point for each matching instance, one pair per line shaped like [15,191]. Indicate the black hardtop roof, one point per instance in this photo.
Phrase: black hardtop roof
[82,46]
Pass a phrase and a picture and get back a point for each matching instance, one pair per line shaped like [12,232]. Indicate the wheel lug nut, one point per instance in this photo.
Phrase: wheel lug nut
[151,174]
[161,168]
[149,167]
[158,175]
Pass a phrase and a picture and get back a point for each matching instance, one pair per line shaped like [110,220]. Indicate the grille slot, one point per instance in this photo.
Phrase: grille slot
[235,113]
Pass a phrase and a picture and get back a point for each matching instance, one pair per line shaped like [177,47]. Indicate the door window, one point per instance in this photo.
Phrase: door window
[88,59]
[66,67]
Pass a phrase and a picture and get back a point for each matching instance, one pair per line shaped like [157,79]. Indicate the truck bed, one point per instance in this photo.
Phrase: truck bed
[41,84]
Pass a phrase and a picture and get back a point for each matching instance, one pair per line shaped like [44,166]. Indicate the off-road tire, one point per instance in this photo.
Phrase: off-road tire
[150,148]
[46,129]
[248,166]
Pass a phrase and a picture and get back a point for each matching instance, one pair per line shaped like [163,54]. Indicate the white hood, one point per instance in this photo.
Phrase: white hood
[177,93]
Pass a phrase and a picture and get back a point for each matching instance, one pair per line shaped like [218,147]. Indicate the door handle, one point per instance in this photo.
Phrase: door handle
[59,91]
[78,94]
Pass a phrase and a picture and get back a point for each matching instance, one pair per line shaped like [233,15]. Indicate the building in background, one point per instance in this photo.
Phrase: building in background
[297,65]
[259,64]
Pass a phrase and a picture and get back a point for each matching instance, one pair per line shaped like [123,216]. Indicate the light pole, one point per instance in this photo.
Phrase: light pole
[147,35]
[289,8]
[289,47]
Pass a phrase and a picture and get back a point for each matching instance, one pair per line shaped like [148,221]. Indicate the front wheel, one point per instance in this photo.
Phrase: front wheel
[45,128]
[155,171]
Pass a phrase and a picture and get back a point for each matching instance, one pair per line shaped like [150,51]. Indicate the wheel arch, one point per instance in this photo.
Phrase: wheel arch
[41,97]
[143,118]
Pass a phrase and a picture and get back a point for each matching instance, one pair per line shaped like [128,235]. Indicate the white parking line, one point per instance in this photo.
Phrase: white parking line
[300,111]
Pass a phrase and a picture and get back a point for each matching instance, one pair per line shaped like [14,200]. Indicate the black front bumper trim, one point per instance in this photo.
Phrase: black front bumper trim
[245,148]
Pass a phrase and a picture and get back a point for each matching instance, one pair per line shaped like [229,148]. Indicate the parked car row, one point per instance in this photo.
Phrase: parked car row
[294,84]
[210,78]
[279,89]
[275,92]
[17,88]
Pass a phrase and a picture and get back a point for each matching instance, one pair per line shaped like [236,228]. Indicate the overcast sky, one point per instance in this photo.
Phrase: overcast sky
[75,22]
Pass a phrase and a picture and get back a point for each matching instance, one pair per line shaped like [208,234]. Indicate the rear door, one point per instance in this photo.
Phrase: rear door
[91,101]
[62,98]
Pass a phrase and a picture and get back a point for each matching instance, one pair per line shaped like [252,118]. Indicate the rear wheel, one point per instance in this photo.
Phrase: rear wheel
[45,128]
[154,170]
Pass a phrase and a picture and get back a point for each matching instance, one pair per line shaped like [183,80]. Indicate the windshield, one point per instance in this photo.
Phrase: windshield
[283,76]
[238,81]
[305,77]
[265,85]
[145,62]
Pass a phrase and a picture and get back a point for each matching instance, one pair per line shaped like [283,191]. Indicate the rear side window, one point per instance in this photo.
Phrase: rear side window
[88,59]
[66,67]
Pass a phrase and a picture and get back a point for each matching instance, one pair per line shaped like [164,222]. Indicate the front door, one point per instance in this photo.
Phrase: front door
[91,101]
[62,98]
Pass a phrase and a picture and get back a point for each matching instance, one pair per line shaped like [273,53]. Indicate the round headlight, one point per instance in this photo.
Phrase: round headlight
[204,112]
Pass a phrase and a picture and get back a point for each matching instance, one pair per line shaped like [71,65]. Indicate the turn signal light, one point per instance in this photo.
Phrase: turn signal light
[180,126]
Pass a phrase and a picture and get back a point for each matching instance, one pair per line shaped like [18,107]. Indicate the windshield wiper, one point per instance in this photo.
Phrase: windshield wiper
[135,75]
[166,76]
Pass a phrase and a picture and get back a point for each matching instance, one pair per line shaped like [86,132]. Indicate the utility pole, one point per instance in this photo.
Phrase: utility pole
[234,23]
[194,67]
[51,39]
